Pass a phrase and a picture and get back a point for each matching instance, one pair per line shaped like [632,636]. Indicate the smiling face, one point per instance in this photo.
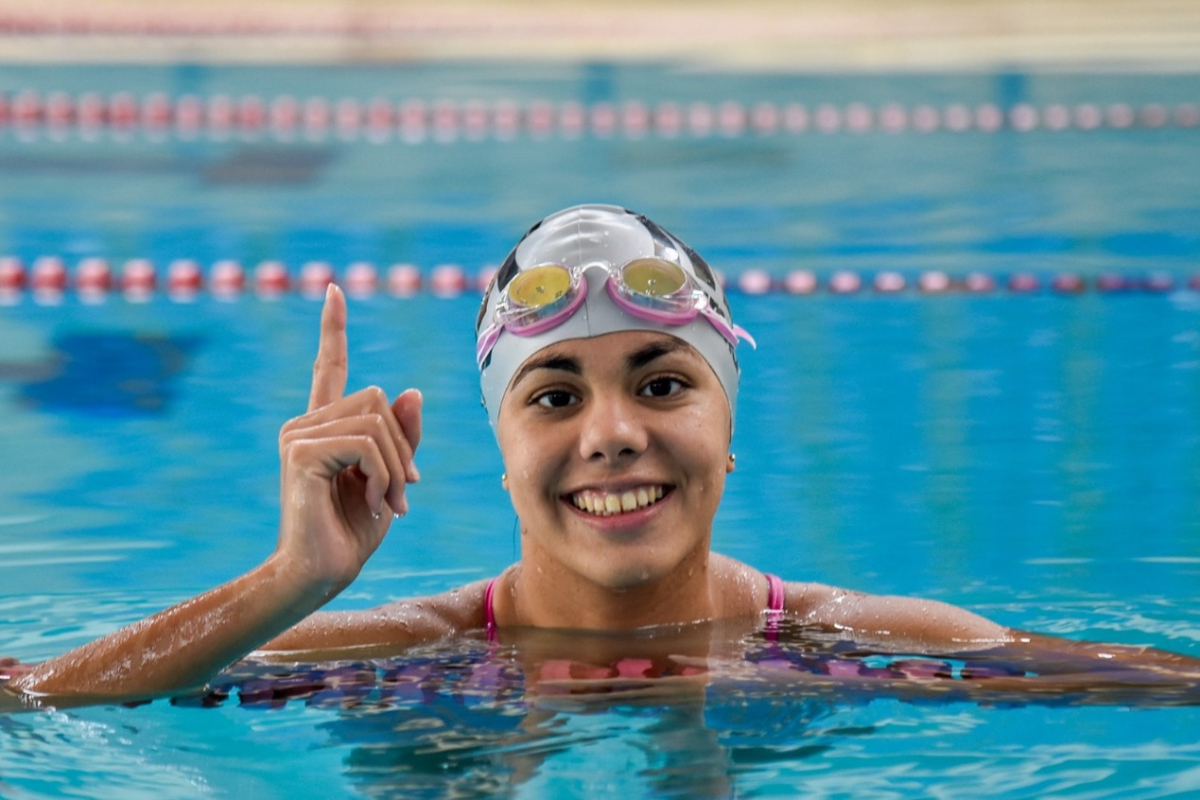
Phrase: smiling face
[616,449]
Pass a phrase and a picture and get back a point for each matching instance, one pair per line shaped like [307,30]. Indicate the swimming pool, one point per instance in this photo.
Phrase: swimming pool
[1031,454]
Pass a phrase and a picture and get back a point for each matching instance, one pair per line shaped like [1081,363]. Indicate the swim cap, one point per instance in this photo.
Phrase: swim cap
[596,239]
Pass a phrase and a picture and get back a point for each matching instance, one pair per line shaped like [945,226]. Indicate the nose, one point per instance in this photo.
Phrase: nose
[613,429]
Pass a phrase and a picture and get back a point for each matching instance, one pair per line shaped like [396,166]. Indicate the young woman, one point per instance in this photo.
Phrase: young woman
[608,366]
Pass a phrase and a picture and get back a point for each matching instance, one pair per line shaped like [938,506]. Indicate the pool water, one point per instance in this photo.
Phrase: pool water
[1033,456]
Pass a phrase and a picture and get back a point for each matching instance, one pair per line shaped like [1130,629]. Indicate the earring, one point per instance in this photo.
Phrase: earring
[732,458]
[504,481]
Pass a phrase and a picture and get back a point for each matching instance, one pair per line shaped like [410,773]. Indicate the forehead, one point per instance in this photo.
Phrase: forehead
[619,346]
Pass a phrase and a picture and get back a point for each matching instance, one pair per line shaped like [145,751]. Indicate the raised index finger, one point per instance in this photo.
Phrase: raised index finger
[329,370]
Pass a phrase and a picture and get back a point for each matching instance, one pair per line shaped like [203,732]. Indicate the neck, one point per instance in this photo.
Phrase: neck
[554,597]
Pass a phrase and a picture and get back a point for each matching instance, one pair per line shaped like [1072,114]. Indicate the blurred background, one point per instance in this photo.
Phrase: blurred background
[807,34]
[965,234]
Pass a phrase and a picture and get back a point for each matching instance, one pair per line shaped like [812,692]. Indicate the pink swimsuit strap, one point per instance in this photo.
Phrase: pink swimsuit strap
[489,611]
[775,601]
[776,595]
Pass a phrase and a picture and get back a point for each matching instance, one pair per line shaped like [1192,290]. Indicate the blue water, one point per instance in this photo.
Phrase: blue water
[1034,458]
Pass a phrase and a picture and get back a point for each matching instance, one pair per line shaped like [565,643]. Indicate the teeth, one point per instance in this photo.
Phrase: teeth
[604,504]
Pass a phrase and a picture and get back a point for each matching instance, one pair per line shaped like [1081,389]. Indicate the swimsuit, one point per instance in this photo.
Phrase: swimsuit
[774,610]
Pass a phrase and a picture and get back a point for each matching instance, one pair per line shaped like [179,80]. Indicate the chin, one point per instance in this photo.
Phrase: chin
[626,577]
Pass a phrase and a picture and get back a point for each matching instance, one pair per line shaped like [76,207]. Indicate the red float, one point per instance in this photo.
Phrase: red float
[934,282]
[1068,283]
[754,281]
[979,283]
[48,274]
[483,280]
[12,274]
[362,279]
[93,277]
[764,118]
[271,279]
[315,277]
[800,281]
[447,280]
[189,115]
[1159,282]
[889,282]
[123,112]
[228,279]
[1024,282]
[731,119]
[156,112]
[184,279]
[403,280]
[138,279]
[701,119]
[844,282]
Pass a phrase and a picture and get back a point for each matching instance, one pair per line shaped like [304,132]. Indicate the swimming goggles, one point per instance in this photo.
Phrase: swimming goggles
[545,295]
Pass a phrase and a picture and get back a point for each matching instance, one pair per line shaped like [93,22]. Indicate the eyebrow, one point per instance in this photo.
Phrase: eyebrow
[550,361]
[635,360]
[666,346]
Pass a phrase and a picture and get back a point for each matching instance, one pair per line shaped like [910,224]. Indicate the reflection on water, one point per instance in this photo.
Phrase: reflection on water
[699,711]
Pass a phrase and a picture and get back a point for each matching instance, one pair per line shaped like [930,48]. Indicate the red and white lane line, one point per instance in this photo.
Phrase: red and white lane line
[49,279]
[31,115]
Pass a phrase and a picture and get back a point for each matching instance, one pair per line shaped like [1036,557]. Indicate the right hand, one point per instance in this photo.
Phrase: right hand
[344,466]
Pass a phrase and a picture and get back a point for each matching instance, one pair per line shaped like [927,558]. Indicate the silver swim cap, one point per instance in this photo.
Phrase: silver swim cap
[594,252]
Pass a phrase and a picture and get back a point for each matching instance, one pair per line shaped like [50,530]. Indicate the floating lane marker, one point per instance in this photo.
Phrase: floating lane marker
[404,280]
[49,281]
[185,280]
[56,114]
[227,279]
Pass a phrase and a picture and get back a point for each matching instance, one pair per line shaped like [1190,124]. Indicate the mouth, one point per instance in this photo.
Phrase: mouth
[610,504]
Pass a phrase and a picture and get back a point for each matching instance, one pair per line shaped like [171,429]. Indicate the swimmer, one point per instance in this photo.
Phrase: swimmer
[608,363]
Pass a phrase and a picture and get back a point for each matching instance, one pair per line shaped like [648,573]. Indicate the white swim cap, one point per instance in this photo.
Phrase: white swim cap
[596,245]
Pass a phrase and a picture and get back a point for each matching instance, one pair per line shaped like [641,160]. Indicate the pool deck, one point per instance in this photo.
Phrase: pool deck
[808,35]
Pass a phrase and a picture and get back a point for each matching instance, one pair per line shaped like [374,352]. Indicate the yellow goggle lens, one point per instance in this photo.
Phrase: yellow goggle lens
[653,277]
[539,286]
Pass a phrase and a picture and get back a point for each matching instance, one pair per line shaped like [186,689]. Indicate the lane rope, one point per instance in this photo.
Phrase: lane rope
[49,280]
[30,115]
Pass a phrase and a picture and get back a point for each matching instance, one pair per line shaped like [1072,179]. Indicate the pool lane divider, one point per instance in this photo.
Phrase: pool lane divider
[48,280]
[31,115]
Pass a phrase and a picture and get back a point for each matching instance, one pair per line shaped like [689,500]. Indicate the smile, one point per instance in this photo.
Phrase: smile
[607,504]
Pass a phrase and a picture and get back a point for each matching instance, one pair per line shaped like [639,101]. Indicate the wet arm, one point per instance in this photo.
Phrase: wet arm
[897,622]
[929,626]
[385,629]
[182,648]
[345,464]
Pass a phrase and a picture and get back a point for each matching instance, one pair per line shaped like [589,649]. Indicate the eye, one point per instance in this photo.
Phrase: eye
[556,398]
[662,387]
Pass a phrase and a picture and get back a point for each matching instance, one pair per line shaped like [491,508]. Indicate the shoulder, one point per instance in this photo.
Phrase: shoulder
[385,628]
[454,611]
[892,620]
[745,590]
[871,618]
[801,599]
[806,599]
